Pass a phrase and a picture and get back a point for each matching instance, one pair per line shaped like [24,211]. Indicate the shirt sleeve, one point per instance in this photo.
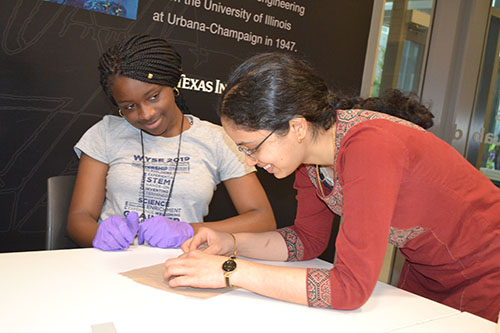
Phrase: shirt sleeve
[93,142]
[371,164]
[308,237]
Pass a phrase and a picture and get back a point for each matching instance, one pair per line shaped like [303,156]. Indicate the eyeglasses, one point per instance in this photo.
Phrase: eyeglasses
[250,152]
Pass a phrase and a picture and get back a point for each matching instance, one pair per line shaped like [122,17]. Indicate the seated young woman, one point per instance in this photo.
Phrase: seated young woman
[154,164]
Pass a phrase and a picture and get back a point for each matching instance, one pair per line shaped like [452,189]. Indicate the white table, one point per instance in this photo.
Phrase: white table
[463,322]
[71,290]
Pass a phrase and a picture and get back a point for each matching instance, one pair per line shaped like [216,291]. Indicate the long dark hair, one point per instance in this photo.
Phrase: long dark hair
[144,58]
[269,89]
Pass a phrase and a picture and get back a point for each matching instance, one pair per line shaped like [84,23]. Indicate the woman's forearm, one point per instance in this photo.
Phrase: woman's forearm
[82,228]
[283,283]
[255,213]
[264,245]
[257,220]
[87,200]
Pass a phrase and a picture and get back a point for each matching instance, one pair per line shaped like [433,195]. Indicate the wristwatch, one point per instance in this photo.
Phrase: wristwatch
[229,266]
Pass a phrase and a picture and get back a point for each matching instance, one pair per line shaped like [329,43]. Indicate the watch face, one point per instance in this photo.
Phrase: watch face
[229,265]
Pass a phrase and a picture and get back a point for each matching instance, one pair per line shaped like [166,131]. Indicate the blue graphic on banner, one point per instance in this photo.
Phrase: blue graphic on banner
[122,8]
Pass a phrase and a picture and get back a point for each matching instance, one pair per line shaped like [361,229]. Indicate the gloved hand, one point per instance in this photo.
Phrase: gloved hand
[116,232]
[163,232]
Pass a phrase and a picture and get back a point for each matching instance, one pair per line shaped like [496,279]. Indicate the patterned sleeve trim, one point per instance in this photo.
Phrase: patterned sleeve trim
[399,237]
[293,244]
[318,288]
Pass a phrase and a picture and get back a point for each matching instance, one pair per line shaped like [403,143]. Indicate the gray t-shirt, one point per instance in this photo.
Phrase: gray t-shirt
[207,157]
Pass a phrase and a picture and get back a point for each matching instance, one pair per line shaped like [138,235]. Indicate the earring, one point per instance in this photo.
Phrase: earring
[300,140]
[176,92]
[120,113]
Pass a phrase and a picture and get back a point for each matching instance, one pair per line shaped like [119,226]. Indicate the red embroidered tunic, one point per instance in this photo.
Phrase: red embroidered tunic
[395,182]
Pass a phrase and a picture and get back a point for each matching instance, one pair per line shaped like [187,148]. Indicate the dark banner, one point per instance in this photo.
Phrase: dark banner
[50,94]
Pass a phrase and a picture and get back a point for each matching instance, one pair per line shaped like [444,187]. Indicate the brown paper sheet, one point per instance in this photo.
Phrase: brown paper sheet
[153,276]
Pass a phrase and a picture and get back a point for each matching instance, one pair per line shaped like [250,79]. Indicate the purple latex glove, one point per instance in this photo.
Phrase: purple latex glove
[163,232]
[116,232]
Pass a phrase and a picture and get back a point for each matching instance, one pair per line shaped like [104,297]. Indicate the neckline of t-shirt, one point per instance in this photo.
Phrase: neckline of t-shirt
[192,122]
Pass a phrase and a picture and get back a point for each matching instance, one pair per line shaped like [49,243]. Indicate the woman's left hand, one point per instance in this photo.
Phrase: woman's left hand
[195,269]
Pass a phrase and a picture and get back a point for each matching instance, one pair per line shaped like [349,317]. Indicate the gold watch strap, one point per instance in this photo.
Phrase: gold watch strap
[228,281]
[235,246]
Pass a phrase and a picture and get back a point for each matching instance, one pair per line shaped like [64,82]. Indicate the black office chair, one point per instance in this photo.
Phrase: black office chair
[59,192]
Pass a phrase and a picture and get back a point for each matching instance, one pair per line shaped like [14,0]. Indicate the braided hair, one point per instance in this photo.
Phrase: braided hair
[144,58]
[270,89]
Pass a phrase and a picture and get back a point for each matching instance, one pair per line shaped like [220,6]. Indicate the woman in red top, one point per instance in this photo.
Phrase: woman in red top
[389,179]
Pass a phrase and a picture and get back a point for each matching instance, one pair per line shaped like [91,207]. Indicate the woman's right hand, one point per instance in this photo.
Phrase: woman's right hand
[116,232]
[210,242]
